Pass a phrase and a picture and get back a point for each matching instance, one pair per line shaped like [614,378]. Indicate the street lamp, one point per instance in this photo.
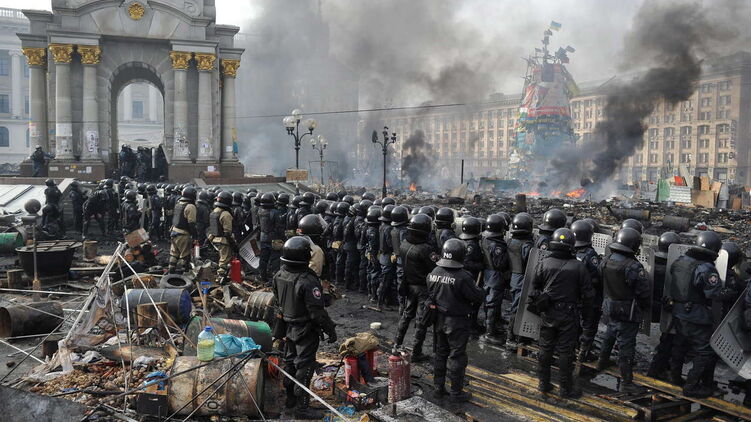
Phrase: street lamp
[319,144]
[292,124]
[385,148]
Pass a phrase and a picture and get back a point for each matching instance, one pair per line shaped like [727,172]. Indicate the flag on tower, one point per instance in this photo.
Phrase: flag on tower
[555,26]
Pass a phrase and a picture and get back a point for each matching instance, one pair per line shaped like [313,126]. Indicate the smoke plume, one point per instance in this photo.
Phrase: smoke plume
[417,157]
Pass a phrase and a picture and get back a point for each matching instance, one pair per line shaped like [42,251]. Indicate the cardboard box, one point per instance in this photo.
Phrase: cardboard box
[703,198]
[136,238]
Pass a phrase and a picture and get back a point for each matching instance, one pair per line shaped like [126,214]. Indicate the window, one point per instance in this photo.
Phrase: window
[654,144]
[500,144]
[723,128]
[4,103]
[703,143]
[706,102]
[685,130]
[652,158]
[685,158]
[588,103]
[588,114]
[669,131]
[703,157]
[4,66]
[4,137]
[685,117]
[724,100]
[653,133]
[722,157]
[686,143]
[670,118]
[705,88]
[588,125]
[724,86]
[703,129]
[705,115]
[669,144]
[722,143]
[669,157]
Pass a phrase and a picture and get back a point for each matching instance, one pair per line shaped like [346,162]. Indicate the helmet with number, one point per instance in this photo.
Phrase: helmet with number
[369,196]
[634,224]
[452,254]
[399,216]
[349,199]
[373,216]
[734,253]
[224,198]
[342,208]
[521,224]
[388,201]
[363,207]
[296,251]
[311,225]
[282,199]
[49,182]
[428,211]
[190,193]
[627,240]
[130,195]
[420,223]
[150,189]
[583,231]
[552,220]
[267,200]
[563,239]
[295,202]
[444,218]
[709,240]
[386,213]
[495,226]
[663,245]
[308,198]
[471,228]
[506,217]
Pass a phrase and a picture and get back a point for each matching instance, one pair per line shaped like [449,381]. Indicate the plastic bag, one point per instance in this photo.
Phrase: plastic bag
[227,344]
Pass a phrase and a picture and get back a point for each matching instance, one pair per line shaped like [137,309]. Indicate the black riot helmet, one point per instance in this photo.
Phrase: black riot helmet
[563,239]
[734,253]
[282,199]
[627,240]
[331,196]
[190,193]
[452,254]
[552,220]
[583,231]
[506,217]
[205,196]
[74,184]
[150,189]
[123,179]
[295,202]
[169,189]
[495,226]
[267,200]
[331,210]
[709,240]
[369,196]
[634,224]
[420,223]
[386,213]
[321,207]
[141,188]
[377,202]
[663,245]
[429,211]
[296,252]
[521,224]
[253,191]
[349,199]
[308,198]
[444,218]
[414,211]
[109,182]
[388,201]
[593,222]
[471,228]
[399,216]
[237,198]
[363,207]
[224,198]
[311,225]
[373,216]
[342,208]
[130,195]
[49,182]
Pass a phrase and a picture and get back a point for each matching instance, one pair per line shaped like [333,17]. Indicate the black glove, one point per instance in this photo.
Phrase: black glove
[586,340]
[332,336]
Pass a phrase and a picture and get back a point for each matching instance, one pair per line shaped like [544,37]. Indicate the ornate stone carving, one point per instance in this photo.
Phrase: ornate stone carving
[35,56]
[205,61]
[191,9]
[89,54]
[61,53]
[136,11]
[229,67]
[180,59]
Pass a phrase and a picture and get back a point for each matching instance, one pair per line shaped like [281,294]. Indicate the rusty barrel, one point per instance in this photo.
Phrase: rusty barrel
[520,202]
[672,222]
[260,306]
[178,301]
[235,398]
[32,318]
[626,213]
[259,331]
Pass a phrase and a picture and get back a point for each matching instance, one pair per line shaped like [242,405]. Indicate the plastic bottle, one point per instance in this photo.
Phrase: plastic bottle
[206,345]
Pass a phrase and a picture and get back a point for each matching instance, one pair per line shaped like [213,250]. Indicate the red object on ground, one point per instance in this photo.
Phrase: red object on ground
[372,357]
[399,378]
[235,271]
[351,372]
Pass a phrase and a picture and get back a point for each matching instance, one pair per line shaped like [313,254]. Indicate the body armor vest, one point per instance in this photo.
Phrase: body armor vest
[178,218]
[215,227]
[293,310]
[384,240]
[682,273]
[614,280]
[516,260]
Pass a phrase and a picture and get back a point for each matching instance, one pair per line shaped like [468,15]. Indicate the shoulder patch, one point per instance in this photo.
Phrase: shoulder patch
[544,246]
[316,292]
[642,273]
[470,249]
[595,260]
[713,279]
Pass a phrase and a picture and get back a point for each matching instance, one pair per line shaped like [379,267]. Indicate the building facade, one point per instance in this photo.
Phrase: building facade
[14,88]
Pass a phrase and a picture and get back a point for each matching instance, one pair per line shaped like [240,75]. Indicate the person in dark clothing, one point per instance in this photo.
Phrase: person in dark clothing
[203,211]
[552,220]
[337,243]
[473,260]
[77,199]
[565,282]
[387,259]
[126,159]
[734,284]
[267,218]
[52,194]
[299,295]
[583,231]
[419,261]
[39,159]
[238,216]
[305,206]
[130,213]
[444,223]
[496,264]
[51,224]
[328,235]
[155,211]
[372,248]
[399,220]
[168,204]
[696,283]
[113,208]
[661,359]
[349,248]
[95,207]
[361,227]
[160,164]
[518,252]
[454,297]
[627,297]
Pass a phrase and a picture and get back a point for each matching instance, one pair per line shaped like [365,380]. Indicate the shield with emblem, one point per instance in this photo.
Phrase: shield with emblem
[675,251]
[732,341]
[527,324]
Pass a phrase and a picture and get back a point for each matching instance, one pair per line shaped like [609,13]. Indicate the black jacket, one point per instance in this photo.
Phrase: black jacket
[416,255]
[454,291]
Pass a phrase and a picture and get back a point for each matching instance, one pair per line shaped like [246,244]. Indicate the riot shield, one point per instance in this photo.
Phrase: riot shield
[647,258]
[675,251]
[600,242]
[721,263]
[527,324]
[732,342]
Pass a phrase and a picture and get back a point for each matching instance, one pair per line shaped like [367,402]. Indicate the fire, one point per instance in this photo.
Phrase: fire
[412,187]
[533,193]
[578,193]
[556,193]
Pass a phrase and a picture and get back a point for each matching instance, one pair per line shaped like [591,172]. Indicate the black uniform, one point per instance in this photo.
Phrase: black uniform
[372,247]
[328,237]
[543,240]
[77,199]
[155,219]
[567,283]
[51,224]
[203,211]
[267,219]
[442,235]
[496,265]
[661,359]
[169,211]
[386,257]
[352,255]
[518,252]
[131,216]
[398,234]
[238,222]
[113,208]
[456,297]
[361,228]
[39,160]
[591,260]
[95,207]
[340,257]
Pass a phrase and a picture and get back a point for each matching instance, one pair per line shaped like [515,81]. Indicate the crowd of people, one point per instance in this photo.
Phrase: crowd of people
[440,276]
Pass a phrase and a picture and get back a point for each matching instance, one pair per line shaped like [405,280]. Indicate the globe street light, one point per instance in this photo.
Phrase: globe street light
[292,124]
[385,149]
[319,144]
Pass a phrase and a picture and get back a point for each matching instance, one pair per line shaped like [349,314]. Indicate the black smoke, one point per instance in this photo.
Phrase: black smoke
[417,158]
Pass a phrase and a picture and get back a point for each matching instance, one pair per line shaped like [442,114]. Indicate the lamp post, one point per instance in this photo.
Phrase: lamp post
[319,144]
[292,124]
[385,148]
[32,207]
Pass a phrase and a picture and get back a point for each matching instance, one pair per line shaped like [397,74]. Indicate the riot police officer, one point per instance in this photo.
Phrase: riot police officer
[203,210]
[52,194]
[626,298]
[372,248]
[337,241]
[77,199]
[633,224]
[95,207]
[399,220]
[496,264]
[269,239]
[168,205]
[361,227]
[418,261]
[50,229]
[518,253]
[444,223]
[454,296]
[311,226]
[292,216]
[552,220]
[155,209]
[734,284]
[221,236]
[238,216]
[39,159]
[560,287]
[183,231]
[305,206]
[130,213]
[349,247]
[113,205]
[298,292]
[387,259]
[473,259]
[583,231]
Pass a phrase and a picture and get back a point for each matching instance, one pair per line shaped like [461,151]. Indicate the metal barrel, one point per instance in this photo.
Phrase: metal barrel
[260,306]
[32,318]
[625,213]
[178,301]
[238,397]
[520,202]
[259,331]
[673,222]
[10,241]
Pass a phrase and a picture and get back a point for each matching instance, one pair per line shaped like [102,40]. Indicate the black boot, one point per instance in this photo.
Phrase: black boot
[569,390]
[417,354]
[676,377]
[693,386]
[303,409]
[439,383]
[603,361]
[494,334]
[458,395]
[627,377]
[545,360]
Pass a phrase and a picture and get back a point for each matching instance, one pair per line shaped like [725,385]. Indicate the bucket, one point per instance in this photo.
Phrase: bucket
[178,301]
[10,241]
[32,318]
[257,330]
[237,397]
[90,249]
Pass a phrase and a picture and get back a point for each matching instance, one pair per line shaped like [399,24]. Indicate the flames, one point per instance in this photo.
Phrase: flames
[412,187]
[577,193]
[533,193]
[574,194]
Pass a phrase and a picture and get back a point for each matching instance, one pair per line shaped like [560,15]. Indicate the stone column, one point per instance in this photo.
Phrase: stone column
[89,59]
[205,109]
[63,126]
[128,103]
[181,148]
[37,59]
[153,100]
[17,94]
[229,131]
